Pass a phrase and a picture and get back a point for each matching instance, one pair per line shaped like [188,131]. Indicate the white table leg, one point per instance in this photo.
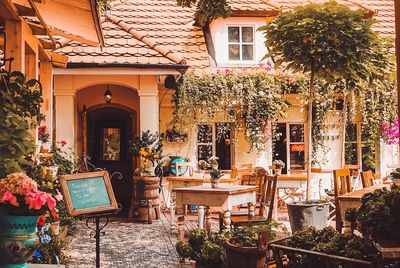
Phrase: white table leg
[251,207]
[227,219]
[201,216]
[172,210]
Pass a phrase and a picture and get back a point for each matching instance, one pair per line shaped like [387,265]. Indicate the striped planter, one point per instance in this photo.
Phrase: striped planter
[18,240]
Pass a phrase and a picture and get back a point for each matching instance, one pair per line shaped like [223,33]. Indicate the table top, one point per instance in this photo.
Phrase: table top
[195,179]
[356,195]
[222,189]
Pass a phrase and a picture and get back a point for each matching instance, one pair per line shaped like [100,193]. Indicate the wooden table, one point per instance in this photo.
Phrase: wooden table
[353,199]
[225,196]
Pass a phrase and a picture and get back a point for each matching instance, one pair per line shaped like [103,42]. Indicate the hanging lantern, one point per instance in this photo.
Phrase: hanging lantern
[108,95]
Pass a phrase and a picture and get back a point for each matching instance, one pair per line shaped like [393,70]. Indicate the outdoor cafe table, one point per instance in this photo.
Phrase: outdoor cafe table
[353,199]
[225,196]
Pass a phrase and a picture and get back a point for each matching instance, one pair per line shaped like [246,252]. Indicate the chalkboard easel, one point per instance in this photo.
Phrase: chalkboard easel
[90,195]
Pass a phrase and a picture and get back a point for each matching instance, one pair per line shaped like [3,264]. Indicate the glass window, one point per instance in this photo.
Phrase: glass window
[111,144]
[297,156]
[240,43]
[204,134]
[296,132]
[204,152]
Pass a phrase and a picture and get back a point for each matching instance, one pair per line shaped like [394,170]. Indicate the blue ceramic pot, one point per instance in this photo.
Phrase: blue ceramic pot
[18,240]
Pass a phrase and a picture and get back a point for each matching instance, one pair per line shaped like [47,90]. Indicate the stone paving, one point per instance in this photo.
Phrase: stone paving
[126,244]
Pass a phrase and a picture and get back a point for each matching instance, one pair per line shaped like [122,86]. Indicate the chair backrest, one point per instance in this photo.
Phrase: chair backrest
[267,188]
[354,169]
[367,179]
[341,181]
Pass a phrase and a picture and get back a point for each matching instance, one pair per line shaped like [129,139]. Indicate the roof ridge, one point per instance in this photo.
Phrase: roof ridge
[139,36]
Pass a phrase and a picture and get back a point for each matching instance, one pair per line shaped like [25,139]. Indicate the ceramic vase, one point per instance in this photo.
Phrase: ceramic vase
[214,183]
[18,240]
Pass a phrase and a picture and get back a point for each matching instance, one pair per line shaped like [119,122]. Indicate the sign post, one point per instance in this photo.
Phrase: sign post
[90,195]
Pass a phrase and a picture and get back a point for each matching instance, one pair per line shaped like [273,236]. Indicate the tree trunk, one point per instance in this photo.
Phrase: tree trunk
[309,134]
[343,160]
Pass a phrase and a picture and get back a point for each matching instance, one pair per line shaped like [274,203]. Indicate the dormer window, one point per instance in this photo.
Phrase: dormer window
[241,43]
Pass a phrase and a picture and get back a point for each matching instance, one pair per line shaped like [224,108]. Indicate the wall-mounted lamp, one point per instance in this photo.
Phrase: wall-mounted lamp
[108,95]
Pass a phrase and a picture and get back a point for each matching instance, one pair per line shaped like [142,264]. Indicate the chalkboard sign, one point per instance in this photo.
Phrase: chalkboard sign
[88,193]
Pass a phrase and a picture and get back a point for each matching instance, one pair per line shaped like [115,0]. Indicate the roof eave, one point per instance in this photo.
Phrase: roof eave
[96,20]
[125,65]
[255,13]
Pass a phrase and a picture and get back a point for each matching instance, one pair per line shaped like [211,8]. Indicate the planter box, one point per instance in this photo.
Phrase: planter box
[301,258]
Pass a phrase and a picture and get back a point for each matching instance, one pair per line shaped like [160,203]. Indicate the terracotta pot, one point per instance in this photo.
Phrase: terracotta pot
[244,257]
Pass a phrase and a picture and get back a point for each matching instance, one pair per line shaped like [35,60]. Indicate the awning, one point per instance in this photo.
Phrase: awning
[76,20]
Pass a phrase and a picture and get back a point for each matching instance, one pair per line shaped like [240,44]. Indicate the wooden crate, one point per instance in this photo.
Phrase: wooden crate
[288,257]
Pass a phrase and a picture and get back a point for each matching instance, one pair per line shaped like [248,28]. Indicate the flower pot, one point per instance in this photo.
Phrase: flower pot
[18,240]
[244,257]
[304,215]
[214,183]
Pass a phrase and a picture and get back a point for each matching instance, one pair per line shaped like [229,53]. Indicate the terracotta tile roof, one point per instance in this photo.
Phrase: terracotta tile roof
[252,5]
[384,16]
[156,32]
[384,10]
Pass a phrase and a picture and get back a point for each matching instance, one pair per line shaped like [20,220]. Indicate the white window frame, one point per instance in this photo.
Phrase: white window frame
[289,143]
[240,43]
[212,143]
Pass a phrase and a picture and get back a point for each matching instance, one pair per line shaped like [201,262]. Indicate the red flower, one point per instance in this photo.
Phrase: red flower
[63,143]
[41,221]
[54,214]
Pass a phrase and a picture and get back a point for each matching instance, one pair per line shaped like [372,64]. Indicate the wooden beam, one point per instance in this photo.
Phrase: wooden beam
[25,11]
[37,29]
[39,16]
[58,60]
[15,45]
[46,45]
[8,11]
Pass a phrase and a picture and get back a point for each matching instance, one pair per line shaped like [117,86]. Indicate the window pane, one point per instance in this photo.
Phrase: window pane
[233,34]
[204,134]
[296,132]
[368,159]
[297,156]
[204,152]
[247,34]
[350,153]
[351,132]
[111,144]
[234,52]
[247,52]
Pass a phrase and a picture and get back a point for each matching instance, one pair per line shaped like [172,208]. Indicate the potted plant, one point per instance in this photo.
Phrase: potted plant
[213,162]
[206,250]
[279,165]
[148,148]
[215,175]
[351,61]
[325,248]
[21,204]
[247,246]
[378,218]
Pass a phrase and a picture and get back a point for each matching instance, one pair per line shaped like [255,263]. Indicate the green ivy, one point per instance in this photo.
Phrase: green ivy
[250,99]
[207,10]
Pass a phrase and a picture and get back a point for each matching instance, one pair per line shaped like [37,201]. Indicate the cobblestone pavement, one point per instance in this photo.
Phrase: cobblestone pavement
[126,245]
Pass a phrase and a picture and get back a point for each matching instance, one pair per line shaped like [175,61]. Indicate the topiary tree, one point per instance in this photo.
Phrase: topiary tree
[327,41]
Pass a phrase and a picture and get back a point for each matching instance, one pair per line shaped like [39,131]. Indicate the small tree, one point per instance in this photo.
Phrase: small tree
[328,41]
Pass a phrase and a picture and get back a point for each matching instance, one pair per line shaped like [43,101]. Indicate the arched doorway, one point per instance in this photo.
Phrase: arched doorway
[109,130]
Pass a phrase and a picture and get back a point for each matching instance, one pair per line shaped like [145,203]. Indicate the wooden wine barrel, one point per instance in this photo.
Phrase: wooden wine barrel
[145,204]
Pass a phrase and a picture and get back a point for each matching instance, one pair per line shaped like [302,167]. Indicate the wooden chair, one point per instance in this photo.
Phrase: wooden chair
[267,190]
[342,185]
[367,179]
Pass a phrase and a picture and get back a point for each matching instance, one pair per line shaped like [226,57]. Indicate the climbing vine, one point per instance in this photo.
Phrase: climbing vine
[250,99]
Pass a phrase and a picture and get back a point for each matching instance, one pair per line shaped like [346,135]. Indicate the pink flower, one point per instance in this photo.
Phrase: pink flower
[261,64]
[11,199]
[63,142]
[59,196]
[228,70]
[36,200]
[51,202]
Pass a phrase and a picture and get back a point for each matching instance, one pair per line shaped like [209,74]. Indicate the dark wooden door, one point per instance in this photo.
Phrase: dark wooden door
[109,132]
